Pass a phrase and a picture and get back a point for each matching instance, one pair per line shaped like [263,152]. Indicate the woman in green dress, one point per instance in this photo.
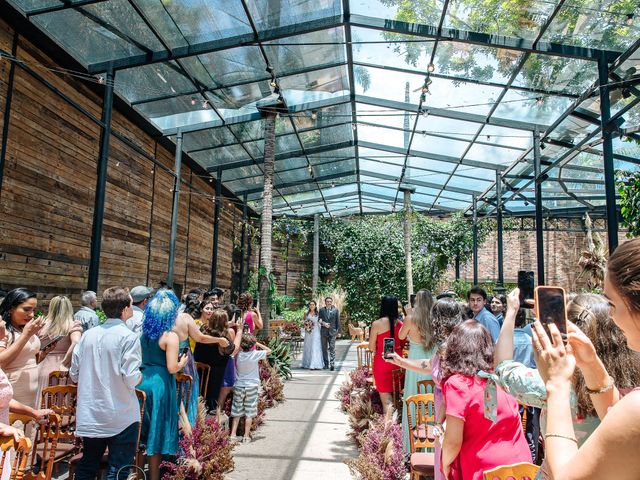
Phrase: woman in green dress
[161,360]
[419,329]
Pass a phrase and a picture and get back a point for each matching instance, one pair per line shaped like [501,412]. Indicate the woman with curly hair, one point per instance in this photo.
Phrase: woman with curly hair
[161,360]
[483,423]
[250,315]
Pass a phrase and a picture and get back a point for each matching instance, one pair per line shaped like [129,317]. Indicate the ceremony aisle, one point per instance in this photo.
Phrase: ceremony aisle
[305,436]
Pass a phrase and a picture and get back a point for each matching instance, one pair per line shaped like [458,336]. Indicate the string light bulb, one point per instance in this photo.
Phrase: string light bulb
[205,103]
[629,20]
[100,79]
[314,115]
[431,68]
[193,100]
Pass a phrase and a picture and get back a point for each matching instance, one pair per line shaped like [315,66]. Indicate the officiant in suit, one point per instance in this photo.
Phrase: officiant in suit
[329,317]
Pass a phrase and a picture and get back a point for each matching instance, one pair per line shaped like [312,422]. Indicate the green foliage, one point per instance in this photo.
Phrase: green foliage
[369,261]
[629,190]
[280,357]
[461,287]
[101,315]
[294,315]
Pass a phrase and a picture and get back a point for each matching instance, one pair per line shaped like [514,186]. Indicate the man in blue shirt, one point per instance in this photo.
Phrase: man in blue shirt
[477,299]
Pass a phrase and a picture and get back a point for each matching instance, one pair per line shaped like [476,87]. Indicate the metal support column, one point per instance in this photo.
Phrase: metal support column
[243,241]
[607,150]
[101,184]
[174,211]
[316,253]
[475,239]
[216,229]
[7,110]
[457,267]
[500,280]
[539,220]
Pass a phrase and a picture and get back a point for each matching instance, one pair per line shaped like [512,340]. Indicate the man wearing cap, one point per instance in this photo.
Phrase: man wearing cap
[140,296]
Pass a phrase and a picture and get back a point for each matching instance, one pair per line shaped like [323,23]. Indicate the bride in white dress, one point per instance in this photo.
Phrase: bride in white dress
[312,351]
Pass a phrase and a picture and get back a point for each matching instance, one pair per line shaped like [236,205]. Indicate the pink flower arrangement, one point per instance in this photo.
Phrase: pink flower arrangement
[381,453]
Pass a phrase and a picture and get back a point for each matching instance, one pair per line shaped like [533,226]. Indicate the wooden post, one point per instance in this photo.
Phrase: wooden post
[316,253]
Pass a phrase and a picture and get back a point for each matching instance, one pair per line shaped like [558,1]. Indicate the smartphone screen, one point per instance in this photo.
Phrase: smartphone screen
[525,284]
[412,300]
[550,307]
[255,302]
[389,344]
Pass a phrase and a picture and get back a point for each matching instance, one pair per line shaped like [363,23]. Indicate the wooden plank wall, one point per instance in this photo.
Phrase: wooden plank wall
[47,196]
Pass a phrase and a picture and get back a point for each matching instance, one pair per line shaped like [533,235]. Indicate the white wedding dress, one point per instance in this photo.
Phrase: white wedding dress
[312,351]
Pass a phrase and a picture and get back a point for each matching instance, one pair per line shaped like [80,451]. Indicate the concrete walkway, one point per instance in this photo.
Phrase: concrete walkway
[305,436]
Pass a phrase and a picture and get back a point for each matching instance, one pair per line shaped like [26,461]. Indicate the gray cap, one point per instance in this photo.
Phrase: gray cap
[140,292]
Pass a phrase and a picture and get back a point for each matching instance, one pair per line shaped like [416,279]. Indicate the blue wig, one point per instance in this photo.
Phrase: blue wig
[160,314]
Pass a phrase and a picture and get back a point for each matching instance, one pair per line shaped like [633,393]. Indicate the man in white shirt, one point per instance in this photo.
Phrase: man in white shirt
[106,366]
[140,296]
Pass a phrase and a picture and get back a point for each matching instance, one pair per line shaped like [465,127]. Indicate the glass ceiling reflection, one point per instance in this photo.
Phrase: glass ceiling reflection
[378,98]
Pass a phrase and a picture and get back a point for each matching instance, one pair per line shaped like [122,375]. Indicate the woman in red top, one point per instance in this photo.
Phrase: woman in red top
[381,329]
[483,427]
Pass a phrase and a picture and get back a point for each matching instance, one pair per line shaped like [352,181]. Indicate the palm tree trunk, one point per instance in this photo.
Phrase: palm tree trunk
[407,242]
[267,216]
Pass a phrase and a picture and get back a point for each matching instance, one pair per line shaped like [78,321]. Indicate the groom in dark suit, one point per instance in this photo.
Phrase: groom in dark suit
[329,317]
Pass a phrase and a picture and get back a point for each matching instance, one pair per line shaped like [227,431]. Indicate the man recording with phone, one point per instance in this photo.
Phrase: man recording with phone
[329,317]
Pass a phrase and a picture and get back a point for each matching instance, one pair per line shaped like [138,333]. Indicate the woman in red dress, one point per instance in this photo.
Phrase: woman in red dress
[483,427]
[381,329]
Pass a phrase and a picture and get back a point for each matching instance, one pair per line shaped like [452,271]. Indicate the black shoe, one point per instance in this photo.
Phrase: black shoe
[331,368]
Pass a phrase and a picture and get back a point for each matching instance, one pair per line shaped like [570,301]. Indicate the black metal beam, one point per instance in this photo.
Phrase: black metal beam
[64,5]
[216,230]
[243,242]
[474,234]
[7,110]
[500,280]
[539,220]
[607,152]
[101,184]
[175,210]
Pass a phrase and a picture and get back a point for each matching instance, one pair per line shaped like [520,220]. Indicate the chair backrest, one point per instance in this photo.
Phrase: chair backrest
[63,400]
[184,383]
[59,377]
[365,356]
[517,471]
[397,382]
[426,386]
[204,371]
[19,463]
[46,442]
[421,415]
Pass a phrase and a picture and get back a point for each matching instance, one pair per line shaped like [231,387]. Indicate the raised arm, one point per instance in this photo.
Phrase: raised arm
[406,327]
[257,319]
[504,346]
[195,333]
[9,353]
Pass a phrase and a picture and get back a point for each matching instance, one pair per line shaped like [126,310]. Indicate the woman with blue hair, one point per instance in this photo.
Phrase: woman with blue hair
[161,360]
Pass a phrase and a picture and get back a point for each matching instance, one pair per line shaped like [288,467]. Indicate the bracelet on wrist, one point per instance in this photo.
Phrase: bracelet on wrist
[604,389]
[557,435]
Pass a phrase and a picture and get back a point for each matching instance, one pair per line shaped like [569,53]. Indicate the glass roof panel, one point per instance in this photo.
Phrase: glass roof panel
[474,173]
[595,24]
[141,83]
[405,51]
[492,154]
[242,173]
[476,185]
[528,107]
[269,14]
[184,22]
[326,136]
[429,165]
[332,155]
[506,137]
[99,32]
[323,117]
[375,166]
[315,85]
[430,14]
[515,19]
[219,156]
[227,67]
[475,62]
[557,74]
[387,117]
[206,139]
[345,166]
[316,49]
[430,144]
[449,127]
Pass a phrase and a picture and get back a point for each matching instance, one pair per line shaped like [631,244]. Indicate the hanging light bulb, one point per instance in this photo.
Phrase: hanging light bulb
[425,113]
[354,126]
[193,100]
[100,79]
[629,20]
[314,115]
[539,100]
[431,68]
[488,138]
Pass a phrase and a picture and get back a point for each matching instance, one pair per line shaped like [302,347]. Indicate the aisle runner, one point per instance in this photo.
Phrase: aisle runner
[305,436]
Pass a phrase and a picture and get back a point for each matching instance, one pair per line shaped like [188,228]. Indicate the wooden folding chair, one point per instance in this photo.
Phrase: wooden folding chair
[44,447]
[184,383]
[397,382]
[19,463]
[517,471]
[63,399]
[59,377]
[420,422]
[426,386]
[361,350]
[204,371]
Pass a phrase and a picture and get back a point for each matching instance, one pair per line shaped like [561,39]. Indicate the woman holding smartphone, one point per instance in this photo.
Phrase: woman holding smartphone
[386,328]
[161,360]
[611,450]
